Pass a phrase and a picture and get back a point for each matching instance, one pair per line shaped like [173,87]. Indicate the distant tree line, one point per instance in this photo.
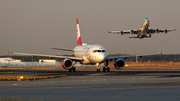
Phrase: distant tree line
[152,58]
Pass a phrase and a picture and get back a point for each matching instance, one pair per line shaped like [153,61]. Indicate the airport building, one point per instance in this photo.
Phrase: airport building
[9,60]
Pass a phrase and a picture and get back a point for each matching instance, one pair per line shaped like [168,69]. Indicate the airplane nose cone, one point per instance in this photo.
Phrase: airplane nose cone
[102,57]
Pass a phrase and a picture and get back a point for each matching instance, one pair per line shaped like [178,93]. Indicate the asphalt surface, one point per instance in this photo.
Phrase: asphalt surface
[88,85]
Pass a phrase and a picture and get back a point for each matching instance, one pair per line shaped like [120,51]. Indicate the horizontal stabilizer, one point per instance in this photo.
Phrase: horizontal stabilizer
[142,37]
[62,49]
[50,56]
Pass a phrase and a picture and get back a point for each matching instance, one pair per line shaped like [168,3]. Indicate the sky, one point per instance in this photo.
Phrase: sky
[35,26]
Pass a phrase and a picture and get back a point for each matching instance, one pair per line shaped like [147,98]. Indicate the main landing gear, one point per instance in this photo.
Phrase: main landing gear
[98,70]
[72,69]
[104,69]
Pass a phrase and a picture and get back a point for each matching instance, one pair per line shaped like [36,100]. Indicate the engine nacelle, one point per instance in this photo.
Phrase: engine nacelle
[119,64]
[67,63]
[157,30]
[122,32]
[132,31]
[165,31]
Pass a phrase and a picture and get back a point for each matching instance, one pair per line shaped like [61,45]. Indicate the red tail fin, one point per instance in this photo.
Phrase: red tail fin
[79,41]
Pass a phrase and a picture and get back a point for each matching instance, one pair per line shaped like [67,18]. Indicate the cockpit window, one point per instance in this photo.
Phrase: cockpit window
[94,51]
[103,51]
[99,51]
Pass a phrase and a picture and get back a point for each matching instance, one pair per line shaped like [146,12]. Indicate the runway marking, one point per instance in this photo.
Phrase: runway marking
[15,84]
[101,80]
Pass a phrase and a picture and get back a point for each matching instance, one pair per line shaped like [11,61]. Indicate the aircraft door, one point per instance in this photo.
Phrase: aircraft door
[88,52]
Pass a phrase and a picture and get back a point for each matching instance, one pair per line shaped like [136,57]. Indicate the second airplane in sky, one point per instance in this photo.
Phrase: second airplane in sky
[143,32]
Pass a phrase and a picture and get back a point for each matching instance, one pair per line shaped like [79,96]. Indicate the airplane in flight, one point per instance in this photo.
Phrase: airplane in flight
[87,54]
[143,32]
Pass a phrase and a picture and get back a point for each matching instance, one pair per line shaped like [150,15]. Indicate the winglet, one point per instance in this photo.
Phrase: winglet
[161,52]
[10,52]
[79,41]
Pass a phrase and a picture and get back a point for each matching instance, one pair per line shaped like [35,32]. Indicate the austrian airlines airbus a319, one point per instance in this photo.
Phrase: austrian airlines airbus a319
[87,54]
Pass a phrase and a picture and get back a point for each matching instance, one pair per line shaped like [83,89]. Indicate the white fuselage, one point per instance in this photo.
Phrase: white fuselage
[145,28]
[92,54]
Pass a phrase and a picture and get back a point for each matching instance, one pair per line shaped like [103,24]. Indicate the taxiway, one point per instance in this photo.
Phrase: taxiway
[87,85]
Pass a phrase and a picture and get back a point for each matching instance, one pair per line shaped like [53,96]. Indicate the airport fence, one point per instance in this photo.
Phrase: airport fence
[30,64]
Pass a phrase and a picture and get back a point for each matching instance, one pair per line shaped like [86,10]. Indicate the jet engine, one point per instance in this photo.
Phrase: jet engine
[122,32]
[132,31]
[157,30]
[165,31]
[67,63]
[119,64]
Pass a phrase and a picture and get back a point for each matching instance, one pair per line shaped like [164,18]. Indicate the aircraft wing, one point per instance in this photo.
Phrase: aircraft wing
[161,30]
[126,56]
[135,31]
[50,56]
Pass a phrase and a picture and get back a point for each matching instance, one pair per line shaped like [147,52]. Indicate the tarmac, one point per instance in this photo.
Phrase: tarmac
[88,85]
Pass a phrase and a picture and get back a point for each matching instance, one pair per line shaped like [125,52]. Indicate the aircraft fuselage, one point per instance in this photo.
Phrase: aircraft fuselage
[145,28]
[91,54]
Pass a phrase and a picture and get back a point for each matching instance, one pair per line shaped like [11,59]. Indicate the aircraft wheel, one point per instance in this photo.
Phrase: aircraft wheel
[74,69]
[140,36]
[98,70]
[69,70]
[104,69]
[108,69]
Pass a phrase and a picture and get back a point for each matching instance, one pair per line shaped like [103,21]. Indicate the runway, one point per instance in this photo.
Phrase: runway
[88,85]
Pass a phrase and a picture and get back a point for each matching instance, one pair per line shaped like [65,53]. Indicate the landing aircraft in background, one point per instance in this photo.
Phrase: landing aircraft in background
[143,32]
[88,54]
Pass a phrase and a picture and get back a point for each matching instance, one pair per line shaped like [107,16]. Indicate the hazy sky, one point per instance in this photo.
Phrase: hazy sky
[35,26]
